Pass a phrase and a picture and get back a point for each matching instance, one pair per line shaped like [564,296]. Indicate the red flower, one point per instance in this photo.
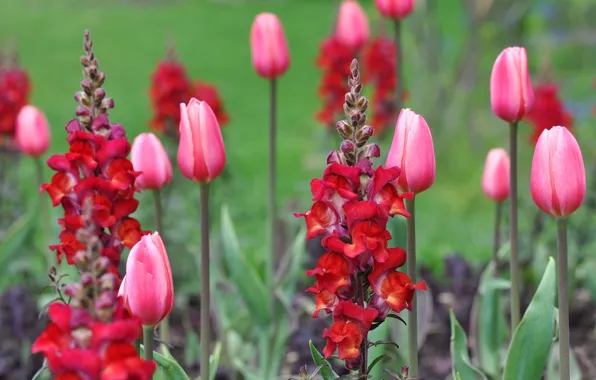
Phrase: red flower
[320,219]
[350,327]
[208,93]
[340,184]
[548,111]
[383,191]
[395,288]
[15,88]
[367,223]
[324,300]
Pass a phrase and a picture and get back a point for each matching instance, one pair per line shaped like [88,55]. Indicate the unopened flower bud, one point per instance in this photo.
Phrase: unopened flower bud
[405,372]
[101,77]
[362,104]
[107,104]
[82,335]
[86,279]
[336,157]
[107,281]
[370,151]
[86,87]
[100,93]
[73,290]
[350,99]
[362,135]
[345,129]
[347,146]
[83,111]
[82,98]
[82,257]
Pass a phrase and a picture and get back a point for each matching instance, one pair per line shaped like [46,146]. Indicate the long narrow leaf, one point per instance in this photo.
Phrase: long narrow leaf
[461,364]
[169,367]
[326,372]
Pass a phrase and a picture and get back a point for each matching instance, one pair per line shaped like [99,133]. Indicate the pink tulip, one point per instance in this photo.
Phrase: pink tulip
[270,56]
[495,180]
[32,134]
[558,178]
[149,157]
[201,152]
[395,9]
[147,289]
[413,152]
[511,92]
[352,25]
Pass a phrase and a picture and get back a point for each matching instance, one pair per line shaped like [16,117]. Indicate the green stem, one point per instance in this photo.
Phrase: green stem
[497,237]
[514,260]
[148,342]
[272,206]
[164,327]
[398,66]
[205,291]
[360,291]
[45,217]
[413,317]
[564,348]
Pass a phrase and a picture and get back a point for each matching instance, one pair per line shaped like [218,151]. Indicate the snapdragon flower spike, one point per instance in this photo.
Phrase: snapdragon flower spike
[95,167]
[356,279]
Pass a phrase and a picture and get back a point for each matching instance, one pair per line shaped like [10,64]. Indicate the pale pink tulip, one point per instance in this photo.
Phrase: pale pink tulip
[32,134]
[352,27]
[268,45]
[395,9]
[150,158]
[495,180]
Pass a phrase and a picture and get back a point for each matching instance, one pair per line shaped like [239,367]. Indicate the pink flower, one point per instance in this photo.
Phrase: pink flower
[511,92]
[201,152]
[270,55]
[149,157]
[558,178]
[32,134]
[495,180]
[395,9]
[413,152]
[148,289]
[352,27]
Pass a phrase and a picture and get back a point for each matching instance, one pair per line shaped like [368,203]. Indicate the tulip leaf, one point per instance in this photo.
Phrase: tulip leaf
[492,326]
[461,364]
[553,371]
[169,367]
[530,345]
[244,275]
[214,361]
[327,372]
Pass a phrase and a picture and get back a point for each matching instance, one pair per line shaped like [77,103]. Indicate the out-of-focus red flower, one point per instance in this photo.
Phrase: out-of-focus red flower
[15,88]
[208,93]
[547,111]
[334,61]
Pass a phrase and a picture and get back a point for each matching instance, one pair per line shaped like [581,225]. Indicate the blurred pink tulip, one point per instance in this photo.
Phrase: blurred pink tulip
[201,152]
[268,45]
[558,178]
[352,25]
[149,157]
[32,134]
[395,9]
[511,92]
[147,289]
[413,152]
[495,180]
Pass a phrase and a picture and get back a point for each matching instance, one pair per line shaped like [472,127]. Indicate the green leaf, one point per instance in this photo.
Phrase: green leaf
[530,345]
[297,254]
[553,371]
[492,326]
[214,360]
[462,365]
[169,367]
[326,372]
[245,276]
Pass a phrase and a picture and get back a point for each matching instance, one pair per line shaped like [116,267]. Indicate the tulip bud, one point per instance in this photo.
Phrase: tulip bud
[149,157]
[352,27]
[201,152]
[147,289]
[395,9]
[413,152]
[558,177]
[495,180]
[511,92]
[270,55]
[32,132]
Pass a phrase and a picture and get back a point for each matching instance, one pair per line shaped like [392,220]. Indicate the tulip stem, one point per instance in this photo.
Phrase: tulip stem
[413,316]
[148,342]
[45,218]
[497,237]
[564,348]
[514,260]
[272,193]
[205,295]
[164,327]
[398,68]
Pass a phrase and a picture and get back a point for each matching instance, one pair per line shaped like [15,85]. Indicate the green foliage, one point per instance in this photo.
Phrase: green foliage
[462,365]
[530,346]
[319,360]
[553,369]
[168,367]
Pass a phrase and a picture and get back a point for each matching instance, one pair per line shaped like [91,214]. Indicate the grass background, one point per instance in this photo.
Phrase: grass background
[211,38]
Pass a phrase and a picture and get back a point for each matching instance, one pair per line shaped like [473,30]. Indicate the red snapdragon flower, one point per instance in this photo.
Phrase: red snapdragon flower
[15,88]
[548,111]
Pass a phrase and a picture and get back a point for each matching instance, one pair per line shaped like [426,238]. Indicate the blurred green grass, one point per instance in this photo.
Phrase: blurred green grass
[211,38]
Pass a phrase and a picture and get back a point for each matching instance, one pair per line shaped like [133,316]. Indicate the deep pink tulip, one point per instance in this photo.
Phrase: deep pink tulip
[558,179]
[201,152]
[495,180]
[32,134]
[148,289]
[511,92]
[268,45]
[149,157]
[395,9]
[413,152]
[352,27]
